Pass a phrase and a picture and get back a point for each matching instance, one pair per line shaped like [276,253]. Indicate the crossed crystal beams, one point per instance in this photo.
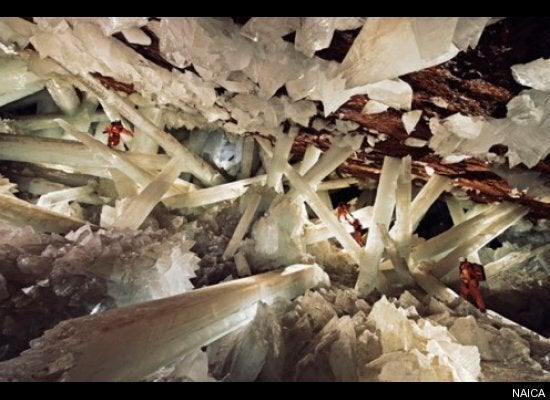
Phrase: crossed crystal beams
[513,259]
[467,237]
[116,105]
[196,165]
[128,343]
[303,188]
[64,96]
[395,187]
[154,187]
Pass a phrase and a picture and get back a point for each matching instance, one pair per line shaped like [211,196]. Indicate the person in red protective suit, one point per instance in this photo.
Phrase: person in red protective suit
[357,232]
[343,212]
[470,276]
[114,129]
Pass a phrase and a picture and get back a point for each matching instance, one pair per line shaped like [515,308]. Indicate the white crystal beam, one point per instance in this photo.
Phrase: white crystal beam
[10,97]
[476,242]
[340,150]
[20,213]
[243,225]
[232,190]
[124,185]
[458,216]
[243,269]
[311,156]
[433,286]
[399,263]
[249,146]
[128,343]
[139,207]
[512,259]
[47,121]
[382,213]
[450,239]
[455,210]
[325,198]
[211,195]
[429,193]
[64,95]
[336,184]
[82,194]
[283,145]
[67,152]
[141,142]
[403,223]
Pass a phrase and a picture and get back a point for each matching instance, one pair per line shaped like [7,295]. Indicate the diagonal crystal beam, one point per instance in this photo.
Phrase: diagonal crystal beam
[399,263]
[311,156]
[283,145]
[336,184]
[70,153]
[455,210]
[458,216]
[20,213]
[197,166]
[429,193]
[139,207]
[143,143]
[512,259]
[231,191]
[475,242]
[433,286]
[243,225]
[64,95]
[340,150]
[128,343]
[211,195]
[10,97]
[441,244]
[124,185]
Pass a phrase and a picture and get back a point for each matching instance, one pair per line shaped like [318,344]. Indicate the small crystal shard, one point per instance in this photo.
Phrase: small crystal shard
[468,32]
[314,33]
[374,107]
[533,74]
[394,93]
[410,119]
[268,28]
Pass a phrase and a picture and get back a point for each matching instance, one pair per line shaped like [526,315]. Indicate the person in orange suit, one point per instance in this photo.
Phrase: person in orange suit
[357,232]
[470,276]
[343,212]
[114,129]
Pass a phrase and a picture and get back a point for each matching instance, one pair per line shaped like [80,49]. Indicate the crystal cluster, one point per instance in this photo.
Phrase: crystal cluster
[49,278]
[336,335]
